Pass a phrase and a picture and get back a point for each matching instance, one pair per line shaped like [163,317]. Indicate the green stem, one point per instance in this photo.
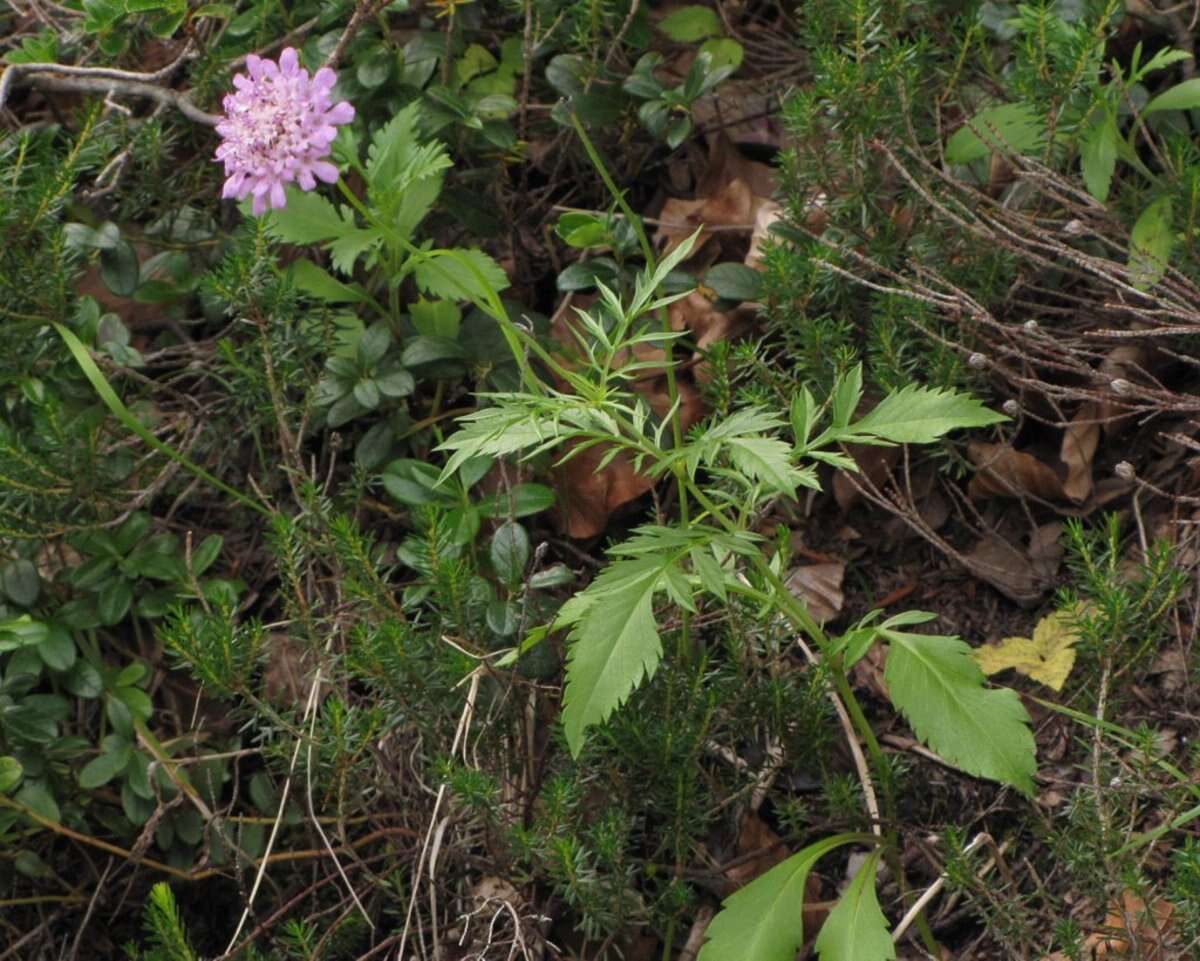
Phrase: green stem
[639,228]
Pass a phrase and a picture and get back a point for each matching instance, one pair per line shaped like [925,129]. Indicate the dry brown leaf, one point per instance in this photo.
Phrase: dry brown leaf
[587,497]
[726,163]
[868,671]
[820,587]
[1143,931]
[1046,550]
[1004,471]
[289,672]
[729,194]
[1125,363]
[1006,568]
[758,850]
[1079,443]
[1172,669]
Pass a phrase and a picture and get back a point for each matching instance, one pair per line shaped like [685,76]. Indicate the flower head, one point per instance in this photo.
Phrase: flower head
[277,129]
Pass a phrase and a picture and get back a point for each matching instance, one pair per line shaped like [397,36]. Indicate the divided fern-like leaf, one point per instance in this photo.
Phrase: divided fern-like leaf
[938,687]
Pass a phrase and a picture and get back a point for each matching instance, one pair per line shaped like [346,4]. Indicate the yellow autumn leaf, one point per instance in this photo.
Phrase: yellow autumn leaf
[1047,657]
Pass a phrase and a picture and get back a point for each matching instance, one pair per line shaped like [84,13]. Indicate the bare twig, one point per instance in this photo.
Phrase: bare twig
[107,80]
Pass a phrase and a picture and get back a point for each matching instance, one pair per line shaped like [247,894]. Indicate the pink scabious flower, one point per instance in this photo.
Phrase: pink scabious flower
[277,129]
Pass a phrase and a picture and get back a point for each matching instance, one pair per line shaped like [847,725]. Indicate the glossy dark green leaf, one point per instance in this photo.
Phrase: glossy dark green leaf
[521,501]
[509,552]
[206,553]
[20,581]
[428,350]
[58,649]
[119,269]
[733,281]
[37,797]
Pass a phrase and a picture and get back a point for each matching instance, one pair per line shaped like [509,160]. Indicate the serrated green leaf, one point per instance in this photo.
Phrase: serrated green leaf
[345,250]
[1098,157]
[856,929]
[847,394]
[415,203]
[919,415]
[763,920]
[936,684]
[497,432]
[711,574]
[436,318]
[308,218]
[320,283]
[1164,58]
[1015,127]
[766,460]
[460,275]
[1182,96]
[803,413]
[391,147]
[614,641]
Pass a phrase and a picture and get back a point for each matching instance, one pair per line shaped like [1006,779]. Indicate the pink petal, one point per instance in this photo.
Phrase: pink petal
[326,171]
[341,113]
[234,186]
[259,206]
[305,179]
[241,81]
[278,197]
[254,65]
[324,79]
[288,61]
